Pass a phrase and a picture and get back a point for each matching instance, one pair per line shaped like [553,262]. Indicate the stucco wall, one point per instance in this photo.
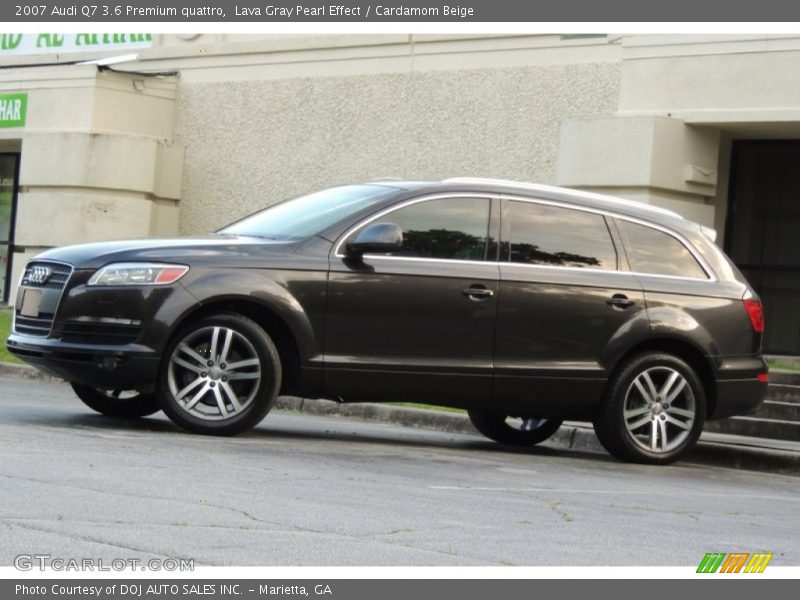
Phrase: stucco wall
[251,143]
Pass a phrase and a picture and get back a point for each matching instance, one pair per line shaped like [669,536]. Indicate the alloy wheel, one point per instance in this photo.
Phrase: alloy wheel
[659,409]
[514,430]
[525,423]
[214,373]
[116,402]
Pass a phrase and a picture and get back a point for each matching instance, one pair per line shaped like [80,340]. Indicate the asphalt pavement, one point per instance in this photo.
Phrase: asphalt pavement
[302,489]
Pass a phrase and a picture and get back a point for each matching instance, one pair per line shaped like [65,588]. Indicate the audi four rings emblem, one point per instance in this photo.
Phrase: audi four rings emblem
[37,275]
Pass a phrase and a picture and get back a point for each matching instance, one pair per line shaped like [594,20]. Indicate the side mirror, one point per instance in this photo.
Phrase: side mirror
[378,238]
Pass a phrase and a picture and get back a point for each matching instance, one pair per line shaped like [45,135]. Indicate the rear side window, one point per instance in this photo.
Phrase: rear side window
[658,253]
[448,228]
[539,234]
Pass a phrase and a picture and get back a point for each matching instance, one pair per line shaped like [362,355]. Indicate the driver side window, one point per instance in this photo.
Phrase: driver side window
[446,228]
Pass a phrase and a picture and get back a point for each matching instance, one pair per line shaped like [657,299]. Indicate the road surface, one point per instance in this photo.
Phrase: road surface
[305,490]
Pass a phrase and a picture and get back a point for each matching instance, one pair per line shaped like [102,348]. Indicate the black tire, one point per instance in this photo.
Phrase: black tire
[214,413]
[641,439]
[114,403]
[501,428]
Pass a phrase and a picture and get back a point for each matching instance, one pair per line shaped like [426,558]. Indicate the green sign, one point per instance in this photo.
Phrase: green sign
[43,43]
[13,108]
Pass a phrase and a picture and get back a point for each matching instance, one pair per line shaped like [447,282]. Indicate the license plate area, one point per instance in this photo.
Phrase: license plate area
[31,299]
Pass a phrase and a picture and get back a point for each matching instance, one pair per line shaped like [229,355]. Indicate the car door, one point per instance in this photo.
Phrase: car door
[567,302]
[417,325]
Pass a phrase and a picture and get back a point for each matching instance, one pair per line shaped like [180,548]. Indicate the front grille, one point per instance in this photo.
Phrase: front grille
[51,278]
[58,275]
[30,326]
[98,333]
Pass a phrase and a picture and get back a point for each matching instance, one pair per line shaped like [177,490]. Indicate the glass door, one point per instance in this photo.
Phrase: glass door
[9,184]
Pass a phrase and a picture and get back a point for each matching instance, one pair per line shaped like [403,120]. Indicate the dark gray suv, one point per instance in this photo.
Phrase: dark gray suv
[524,304]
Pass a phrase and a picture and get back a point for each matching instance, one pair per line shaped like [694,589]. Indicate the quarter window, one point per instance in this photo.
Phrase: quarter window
[446,228]
[652,251]
[540,234]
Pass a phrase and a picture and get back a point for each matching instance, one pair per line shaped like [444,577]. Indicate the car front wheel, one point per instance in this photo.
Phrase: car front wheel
[220,375]
[513,430]
[116,403]
[654,410]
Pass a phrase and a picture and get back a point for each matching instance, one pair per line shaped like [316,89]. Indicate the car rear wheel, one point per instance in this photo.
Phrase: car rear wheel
[654,410]
[117,403]
[513,430]
[220,375]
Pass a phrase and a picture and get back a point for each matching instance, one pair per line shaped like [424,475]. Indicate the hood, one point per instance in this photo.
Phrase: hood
[180,250]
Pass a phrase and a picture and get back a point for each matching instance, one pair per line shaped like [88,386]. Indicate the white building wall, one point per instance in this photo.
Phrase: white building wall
[251,143]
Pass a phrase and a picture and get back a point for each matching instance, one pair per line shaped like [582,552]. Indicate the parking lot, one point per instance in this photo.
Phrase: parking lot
[309,490]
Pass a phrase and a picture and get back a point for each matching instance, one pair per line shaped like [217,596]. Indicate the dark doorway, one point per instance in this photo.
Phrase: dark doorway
[763,233]
[9,184]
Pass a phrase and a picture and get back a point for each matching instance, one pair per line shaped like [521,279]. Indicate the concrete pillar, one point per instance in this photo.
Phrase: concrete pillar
[657,160]
[97,158]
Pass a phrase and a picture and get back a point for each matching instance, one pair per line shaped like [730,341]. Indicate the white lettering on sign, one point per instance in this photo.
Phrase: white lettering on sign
[10,110]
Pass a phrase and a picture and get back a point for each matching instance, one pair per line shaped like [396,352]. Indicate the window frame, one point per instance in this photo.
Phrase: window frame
[498,213]
[492,227]
[504,257]
[701,262]
[623,264]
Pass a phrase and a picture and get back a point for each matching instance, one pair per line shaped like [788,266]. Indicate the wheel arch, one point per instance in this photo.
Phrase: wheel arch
[683,349]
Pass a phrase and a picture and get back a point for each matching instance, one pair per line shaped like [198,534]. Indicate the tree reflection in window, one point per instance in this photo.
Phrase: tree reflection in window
[443,243]
[541,234]
[529,253]
[447,228]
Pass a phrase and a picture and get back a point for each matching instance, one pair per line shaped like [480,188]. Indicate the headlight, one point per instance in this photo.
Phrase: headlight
[138,274]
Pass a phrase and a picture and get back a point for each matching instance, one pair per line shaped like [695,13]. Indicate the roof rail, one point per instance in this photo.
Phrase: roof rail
[537,187]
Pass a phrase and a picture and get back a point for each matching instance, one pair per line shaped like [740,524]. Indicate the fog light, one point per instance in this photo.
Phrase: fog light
[109,363]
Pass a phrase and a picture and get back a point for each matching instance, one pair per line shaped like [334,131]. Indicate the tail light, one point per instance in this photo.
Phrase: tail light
[756,313]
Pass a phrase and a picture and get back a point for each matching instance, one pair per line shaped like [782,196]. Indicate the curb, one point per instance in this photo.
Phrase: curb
[568,437]
[715,452]
[25,372]
[571,436]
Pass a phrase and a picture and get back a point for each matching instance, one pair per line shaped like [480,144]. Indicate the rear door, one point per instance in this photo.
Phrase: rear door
[566,302]
[417,325]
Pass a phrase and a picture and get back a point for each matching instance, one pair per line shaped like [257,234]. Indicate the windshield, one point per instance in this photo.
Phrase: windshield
[305,216]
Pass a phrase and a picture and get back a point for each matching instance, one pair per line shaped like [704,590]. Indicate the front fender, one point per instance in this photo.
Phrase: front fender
[296,298]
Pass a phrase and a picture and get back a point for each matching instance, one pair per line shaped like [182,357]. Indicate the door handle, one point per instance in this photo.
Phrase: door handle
[620,301]
[476,292]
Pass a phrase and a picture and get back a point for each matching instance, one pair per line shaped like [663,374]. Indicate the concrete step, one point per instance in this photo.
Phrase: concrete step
[777,429]
[781,411]
[780,392]
[784,377]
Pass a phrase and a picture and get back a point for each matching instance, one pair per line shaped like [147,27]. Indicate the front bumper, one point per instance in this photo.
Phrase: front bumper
[81,348]
[130,367]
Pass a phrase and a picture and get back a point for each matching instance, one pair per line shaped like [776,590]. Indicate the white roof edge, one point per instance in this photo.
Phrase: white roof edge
[538,187]
[111,60]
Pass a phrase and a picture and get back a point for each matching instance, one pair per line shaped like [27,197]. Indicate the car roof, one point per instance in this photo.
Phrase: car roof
[582,198]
